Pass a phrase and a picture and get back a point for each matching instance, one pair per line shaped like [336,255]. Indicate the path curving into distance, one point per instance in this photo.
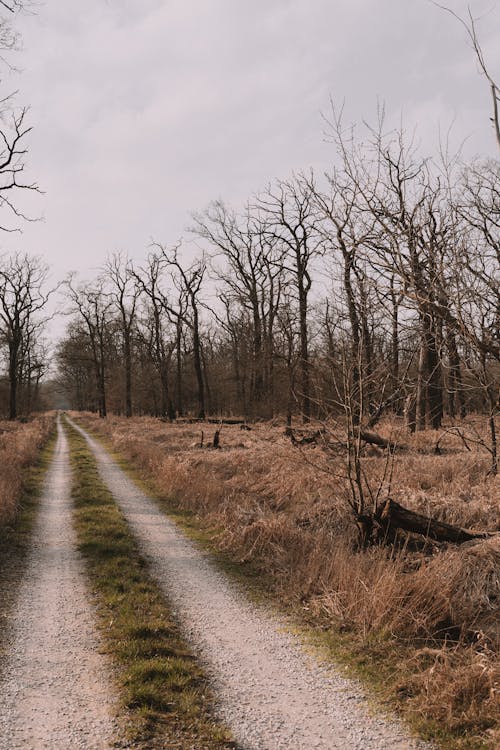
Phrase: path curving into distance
[270,693]
[55,691]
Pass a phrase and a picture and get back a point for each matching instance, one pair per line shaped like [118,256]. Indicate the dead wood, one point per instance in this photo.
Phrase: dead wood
[307,439]
[381,442]
[456,431]
[392,517]
[227,420]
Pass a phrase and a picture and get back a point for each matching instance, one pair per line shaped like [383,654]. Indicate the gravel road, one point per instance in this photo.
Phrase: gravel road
[55,691]
[270,692]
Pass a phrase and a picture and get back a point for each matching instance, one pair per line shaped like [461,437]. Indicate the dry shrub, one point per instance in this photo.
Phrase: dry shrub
[20,445]
[459,688]
[284,510]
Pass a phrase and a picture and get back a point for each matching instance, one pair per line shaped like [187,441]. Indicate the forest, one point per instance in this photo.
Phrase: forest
[370,289]
[294,405]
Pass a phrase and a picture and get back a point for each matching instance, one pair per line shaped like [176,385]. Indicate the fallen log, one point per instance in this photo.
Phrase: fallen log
[226,420]
[309,439]
[393,516]
[374,439]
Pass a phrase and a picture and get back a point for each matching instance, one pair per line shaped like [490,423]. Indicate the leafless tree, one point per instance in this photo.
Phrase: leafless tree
[22,297]
[470,26]
[188,281]
[93,305]
[291,221]
[12,153]
[151,282]
[76,370]
[124,293]
[249,263]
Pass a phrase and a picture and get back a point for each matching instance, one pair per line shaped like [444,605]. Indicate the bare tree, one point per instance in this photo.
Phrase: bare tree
[12,153]
[188,281]
[22,297]
[470,26]
[251,275]
[291,221]
[93,305]
[150,280]
[76,370]
[124,293]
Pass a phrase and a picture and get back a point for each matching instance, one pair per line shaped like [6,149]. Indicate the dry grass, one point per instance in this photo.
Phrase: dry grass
[284,510]
[20,445]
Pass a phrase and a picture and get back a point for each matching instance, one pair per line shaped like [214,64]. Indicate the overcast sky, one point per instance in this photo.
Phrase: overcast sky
[145,110]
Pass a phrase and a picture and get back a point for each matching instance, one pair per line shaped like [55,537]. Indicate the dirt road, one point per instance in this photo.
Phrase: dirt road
[55,690]
[270,693]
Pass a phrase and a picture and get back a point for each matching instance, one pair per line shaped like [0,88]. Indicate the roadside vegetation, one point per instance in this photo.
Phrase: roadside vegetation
[419,620]
[165,693]
[20,446]
[25,452]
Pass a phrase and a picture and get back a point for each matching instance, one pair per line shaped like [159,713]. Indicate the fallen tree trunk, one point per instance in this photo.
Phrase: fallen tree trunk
[225,420]
[311,438]
[393,516]
[374,439]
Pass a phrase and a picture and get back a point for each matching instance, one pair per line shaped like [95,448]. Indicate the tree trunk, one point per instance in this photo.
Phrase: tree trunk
[421,395]
[494,453]
[410,412]
[374,439]
[395,386]
[178,353]
[355,336]
[304,352]
[102,392]
[257,369]
[435,380]
[393,516]
[128,374]
[167,410]
[197,363]
[457,401]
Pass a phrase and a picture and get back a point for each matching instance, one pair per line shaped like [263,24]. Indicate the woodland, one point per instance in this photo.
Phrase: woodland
[312,376]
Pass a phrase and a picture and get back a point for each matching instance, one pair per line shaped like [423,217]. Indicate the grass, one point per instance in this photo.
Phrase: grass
[15,535]
[422,629]
[163,687]
[20,446]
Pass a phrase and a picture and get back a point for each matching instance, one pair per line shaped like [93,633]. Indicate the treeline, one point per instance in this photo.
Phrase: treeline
[374,286]
[22,279]
[24,294]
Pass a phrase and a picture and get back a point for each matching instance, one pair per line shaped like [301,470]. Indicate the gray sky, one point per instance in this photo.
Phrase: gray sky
[145,110]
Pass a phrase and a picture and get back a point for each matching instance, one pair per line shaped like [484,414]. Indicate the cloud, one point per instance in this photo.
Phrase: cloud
[145,111]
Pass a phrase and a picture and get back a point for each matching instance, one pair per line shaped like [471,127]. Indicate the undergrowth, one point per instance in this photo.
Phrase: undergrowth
[421,627]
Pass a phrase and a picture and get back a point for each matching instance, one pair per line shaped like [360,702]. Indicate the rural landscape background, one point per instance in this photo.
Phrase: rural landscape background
[307,381]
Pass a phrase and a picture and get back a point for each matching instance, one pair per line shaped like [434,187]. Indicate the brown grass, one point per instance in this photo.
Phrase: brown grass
[20,445]
[283,510]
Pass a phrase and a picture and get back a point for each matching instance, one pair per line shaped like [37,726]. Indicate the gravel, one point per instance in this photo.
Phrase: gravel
[272,694]
[55,688]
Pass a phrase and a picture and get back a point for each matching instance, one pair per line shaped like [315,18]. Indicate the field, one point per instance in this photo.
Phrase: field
[428,616]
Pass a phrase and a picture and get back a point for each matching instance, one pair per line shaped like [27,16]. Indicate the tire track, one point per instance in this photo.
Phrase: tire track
[55,690]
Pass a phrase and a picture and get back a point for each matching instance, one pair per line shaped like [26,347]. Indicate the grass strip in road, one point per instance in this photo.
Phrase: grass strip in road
[164,689]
